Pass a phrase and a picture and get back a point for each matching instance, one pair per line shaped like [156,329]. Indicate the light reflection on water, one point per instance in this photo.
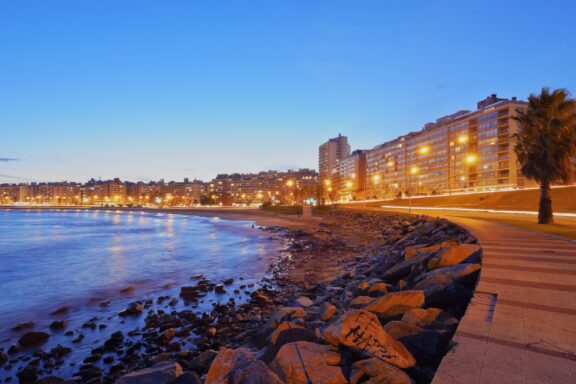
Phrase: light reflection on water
[53,258]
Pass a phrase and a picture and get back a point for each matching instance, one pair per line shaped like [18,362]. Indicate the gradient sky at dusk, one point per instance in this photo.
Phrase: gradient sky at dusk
[170,89]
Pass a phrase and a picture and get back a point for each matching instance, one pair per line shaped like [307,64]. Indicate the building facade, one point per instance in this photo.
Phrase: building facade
[270,186]
[465,151]
[349,176]
[330,153]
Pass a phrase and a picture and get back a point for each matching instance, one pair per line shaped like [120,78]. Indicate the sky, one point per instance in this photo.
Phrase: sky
[144,90]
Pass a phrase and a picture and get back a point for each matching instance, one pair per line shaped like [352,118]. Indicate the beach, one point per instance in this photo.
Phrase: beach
[330,262]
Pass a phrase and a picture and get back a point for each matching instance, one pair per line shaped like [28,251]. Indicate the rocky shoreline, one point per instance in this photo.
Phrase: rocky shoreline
[364,298]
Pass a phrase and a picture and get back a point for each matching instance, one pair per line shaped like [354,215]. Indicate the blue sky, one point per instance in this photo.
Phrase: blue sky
[172,89]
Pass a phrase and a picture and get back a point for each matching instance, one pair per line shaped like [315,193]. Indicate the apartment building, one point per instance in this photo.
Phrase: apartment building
[267,186]
[464,151]
[349,176]
[330,153]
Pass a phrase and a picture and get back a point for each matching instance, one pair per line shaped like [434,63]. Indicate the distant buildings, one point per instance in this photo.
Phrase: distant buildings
[330,153]
[464,151]
[234,189]
[269,186]
[105,193]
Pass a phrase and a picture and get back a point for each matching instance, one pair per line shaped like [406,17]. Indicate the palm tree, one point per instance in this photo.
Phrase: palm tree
[546,143]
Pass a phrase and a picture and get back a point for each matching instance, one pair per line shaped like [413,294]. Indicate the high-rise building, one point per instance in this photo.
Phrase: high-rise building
[465,151]
[349,176]
[330,153]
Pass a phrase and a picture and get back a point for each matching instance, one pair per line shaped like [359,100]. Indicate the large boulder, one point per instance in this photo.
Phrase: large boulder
[430,318]
[255,373]
[286,333]
[404,268]
[362,332]
[306,362]
[412,251]
[226,362]
[448,286]
[396,303]
[456,254]
[442,291]
[426,346]
[161,373]
[33,338]
[465,274]
[376,371]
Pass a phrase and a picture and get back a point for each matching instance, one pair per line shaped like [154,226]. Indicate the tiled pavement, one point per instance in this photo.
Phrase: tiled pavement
[521,324]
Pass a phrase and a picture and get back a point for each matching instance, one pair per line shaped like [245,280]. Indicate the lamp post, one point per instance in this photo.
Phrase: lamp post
[413,171]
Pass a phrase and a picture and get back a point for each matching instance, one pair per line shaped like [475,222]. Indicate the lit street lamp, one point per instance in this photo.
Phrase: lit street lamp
[413,171]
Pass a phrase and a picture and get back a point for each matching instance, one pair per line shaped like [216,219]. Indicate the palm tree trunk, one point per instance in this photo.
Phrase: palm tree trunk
[545,215]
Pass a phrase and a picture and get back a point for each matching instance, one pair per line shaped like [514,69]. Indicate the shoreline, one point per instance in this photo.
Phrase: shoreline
[327,255]
[261,218]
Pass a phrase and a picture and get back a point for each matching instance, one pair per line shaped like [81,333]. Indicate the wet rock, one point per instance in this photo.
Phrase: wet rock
[127,290]
[362,332]
[33,338]
[327,310]
[219,288]
[28,375]
[161,373]
[58,325]
[304,362]
[376,371]
[23,326]
[228,281]
[395,303]
[168,334]
[60,311]
[60,350]
[135,308]
[3,358]
[14,349]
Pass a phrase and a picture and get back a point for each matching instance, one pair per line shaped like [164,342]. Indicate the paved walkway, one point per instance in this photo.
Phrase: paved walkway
[521,324]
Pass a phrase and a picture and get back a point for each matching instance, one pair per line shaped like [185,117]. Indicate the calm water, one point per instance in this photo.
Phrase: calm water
[77,258]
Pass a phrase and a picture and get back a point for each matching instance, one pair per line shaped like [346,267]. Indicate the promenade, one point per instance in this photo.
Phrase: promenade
[521,324]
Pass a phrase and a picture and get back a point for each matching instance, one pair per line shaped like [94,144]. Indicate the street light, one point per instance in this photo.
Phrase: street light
[413,171]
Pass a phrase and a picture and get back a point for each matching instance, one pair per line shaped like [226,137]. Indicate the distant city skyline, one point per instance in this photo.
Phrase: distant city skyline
[144,90]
